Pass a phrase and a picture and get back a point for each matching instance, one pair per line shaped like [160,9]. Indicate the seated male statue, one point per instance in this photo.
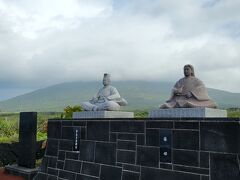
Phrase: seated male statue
[189,92]
[107,98]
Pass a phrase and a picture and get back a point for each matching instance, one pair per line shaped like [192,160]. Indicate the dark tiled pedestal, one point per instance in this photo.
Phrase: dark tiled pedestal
[142,149]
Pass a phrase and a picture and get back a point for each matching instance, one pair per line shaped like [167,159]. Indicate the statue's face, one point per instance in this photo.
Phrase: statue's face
[187,71]
[106,81]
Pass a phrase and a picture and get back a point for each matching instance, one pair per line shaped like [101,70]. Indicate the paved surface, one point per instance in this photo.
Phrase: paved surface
[4,176]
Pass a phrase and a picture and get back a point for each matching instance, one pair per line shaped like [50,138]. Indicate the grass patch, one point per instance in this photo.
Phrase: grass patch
[233,112]
[9,126]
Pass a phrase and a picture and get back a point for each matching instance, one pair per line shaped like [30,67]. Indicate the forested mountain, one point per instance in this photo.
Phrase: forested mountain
[140,95]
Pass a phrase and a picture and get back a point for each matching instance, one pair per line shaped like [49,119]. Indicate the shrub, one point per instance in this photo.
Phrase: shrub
[8,128]
[69,111]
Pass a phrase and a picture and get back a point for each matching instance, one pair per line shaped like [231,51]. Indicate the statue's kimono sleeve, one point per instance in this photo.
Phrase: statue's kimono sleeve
[114,94]
[177,86]
[199,91]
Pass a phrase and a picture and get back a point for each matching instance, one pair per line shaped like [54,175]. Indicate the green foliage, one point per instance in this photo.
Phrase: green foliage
[8,127]
[41,136]
[140,114]
[233,112]
[9,123]
[70,109]
[10,139]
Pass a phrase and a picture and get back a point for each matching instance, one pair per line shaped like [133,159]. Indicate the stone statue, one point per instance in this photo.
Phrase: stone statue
[107,98]
[189,92]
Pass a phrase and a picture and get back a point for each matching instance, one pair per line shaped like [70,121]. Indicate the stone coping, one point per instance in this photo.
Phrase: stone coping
[152,119]
[102,114]
[200,112]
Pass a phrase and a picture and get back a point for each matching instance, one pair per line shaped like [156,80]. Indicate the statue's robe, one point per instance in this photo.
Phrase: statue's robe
[107,98]
[198,91]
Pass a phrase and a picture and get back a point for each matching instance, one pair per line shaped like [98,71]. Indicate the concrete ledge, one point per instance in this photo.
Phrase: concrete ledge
[188,112]
[102,114]
[27,173]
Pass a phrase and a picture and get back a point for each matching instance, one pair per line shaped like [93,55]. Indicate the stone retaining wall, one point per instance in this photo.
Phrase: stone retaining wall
[142,149]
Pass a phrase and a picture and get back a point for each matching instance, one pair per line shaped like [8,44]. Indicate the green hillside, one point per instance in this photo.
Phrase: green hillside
[140,95]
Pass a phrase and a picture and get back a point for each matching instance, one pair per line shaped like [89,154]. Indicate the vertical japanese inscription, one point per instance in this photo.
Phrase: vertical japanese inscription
[77,134]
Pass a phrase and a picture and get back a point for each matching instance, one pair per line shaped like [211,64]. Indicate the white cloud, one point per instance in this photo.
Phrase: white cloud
[47,42]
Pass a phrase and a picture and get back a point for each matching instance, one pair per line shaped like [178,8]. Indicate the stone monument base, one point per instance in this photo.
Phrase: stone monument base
[102,114]
[188,112]
[26,173]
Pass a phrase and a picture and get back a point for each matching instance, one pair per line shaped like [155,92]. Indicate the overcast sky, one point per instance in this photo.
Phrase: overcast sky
[45,42]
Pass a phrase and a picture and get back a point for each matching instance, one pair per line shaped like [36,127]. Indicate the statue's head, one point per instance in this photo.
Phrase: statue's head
[188,70]
[106,79]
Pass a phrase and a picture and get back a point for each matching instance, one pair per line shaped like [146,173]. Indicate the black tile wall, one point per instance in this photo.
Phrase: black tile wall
[67,133]
[129,126]
[224,166]
[98,131]
[187,125]
[83,133]
[126,145]
[126,157]
[131,168]
[127,175]
[91,169]
[67,123]
[160,124]
[220,137]
[152,137]
[110,173]
[166,166]
[50,177]
[148,156]
[204,159]
[140,139]
[72,155]
[87,149]
[66,145]
[186,139]
[204,177]
[105,153]
[126,136]
[79,123]
[74,166]
[183,157]
[60,164]
[191,169]
[54,129]
[67,175]
[52,162]
[113,137]
[52,149]
[52,171]
[84,177]
[61,155]
[146,149]
[156,174]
